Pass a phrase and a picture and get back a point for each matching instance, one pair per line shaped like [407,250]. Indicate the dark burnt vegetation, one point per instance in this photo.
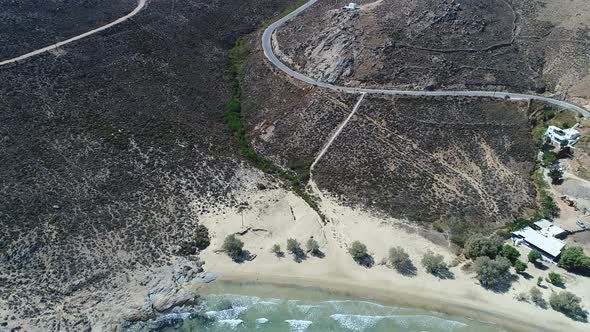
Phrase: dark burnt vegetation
[111,150]
[53,21]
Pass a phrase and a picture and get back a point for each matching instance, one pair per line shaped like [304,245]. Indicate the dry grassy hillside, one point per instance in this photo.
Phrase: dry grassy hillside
[516,45]
[424,159]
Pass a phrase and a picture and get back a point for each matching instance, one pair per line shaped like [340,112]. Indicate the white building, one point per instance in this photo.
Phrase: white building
[558,135]
[549,247]
[351,6]
[547,228]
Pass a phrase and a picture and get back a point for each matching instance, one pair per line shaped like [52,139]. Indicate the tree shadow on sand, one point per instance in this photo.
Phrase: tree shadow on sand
[245,256]
[408,269]
[367,261]
[444,273]
[501,285]
[317,253]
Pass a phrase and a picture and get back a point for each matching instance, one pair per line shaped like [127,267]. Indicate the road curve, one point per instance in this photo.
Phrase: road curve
[269,53]
[140,6]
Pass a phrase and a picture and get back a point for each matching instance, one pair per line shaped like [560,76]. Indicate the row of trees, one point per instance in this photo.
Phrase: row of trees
[233,247]
[400,260]
[296,250]
[565,302]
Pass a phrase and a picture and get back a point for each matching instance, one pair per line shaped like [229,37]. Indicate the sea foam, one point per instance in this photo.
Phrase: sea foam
[356,322]
[261,320]
[231,323]
[298,325]
[227,314]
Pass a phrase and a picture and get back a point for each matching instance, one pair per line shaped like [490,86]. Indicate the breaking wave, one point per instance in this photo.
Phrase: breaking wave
[229,312]
[297,325]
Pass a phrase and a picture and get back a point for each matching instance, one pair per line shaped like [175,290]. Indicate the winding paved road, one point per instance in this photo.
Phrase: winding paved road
[140,6]
[269,53]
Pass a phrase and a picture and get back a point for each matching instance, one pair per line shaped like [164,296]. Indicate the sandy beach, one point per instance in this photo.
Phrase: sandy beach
[271,216]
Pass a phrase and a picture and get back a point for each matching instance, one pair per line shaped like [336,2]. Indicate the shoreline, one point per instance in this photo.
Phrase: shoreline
[384,296]
[276,215]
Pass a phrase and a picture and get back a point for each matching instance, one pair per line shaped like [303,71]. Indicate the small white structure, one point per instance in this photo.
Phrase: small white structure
[351,6]
[547,228]
[558,135]
[549,247]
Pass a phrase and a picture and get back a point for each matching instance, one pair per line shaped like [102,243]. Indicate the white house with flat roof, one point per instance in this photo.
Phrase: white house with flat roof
[351,6]
[549,247]
[558,135]
[547,228]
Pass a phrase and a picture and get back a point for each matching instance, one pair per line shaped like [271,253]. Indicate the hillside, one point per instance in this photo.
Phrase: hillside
[431,159]
[515,45]
[110,151]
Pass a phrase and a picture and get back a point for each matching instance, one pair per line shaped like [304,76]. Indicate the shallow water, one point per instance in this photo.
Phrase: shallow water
[255,307]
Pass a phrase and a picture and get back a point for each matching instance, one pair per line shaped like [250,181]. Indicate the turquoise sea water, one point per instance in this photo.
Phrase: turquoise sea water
[252,307]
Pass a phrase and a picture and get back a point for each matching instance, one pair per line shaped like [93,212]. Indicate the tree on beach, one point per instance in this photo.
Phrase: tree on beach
[276,249]
[479,245]
[574,259]
[510,253]
[537,298]
[493,273]
[294,248]
[534,256]
[359,253]
[435,264]
[555,279]
[568,304]
[400,260]
[520,266]
[201,237]
[313,247]
[233,246]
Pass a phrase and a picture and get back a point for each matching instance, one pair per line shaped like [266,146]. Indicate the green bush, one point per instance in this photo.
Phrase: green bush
[520,266]
[294,247]
[550,208]
[313,246]
[548,115]
[201,237]
[492,273]
[568,304]
[555,279]
[538,132]
[401,261]
[549,157]
[537,298]
[555,176]
[360,254]
[511,253]
[276,249]
[479,245]
[233,246]
[522,297]
[534,256]
[574,259]
[434,263]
